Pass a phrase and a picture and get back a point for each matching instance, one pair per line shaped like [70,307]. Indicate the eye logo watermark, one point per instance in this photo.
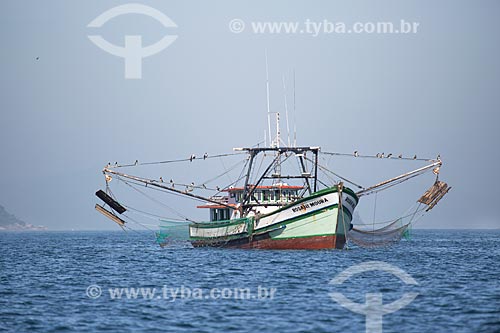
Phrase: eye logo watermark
[132,52]
[373,308]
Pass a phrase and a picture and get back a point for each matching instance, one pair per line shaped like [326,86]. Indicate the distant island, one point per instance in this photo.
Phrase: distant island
[9,222]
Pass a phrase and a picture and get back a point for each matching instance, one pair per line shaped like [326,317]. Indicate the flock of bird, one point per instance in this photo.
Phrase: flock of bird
[382,155]
[191,186]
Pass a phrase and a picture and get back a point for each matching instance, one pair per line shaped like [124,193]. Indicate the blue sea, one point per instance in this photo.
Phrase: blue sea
[124,282]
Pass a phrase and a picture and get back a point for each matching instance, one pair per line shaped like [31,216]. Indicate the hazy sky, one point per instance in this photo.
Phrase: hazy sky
[69,112]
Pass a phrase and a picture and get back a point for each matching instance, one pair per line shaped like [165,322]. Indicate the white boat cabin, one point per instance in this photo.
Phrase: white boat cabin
[265,198]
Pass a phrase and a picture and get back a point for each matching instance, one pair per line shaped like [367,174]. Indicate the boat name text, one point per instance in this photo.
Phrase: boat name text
[309,205]
[350,202]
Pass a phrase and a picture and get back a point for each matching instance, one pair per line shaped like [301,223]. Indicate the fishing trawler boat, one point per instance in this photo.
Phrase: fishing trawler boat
[283,198]
[266,212]
[279,216]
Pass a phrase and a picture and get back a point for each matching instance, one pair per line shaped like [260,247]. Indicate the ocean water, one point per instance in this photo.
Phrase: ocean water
[70,282]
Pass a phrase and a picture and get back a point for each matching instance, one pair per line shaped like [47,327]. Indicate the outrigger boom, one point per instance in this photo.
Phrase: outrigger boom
[386,183]
[156,184]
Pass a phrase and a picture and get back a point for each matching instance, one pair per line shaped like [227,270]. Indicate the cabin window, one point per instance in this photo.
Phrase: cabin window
[277,195]
[265,196]
[219,214]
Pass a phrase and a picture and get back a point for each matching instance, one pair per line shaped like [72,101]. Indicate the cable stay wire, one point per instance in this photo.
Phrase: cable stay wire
[335,174]
[189,159]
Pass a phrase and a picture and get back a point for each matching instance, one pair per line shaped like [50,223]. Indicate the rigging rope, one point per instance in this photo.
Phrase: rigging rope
[224,173]
[156,201]
[378,156]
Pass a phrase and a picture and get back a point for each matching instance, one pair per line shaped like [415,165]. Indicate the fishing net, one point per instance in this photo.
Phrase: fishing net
[393,232]
[385,236]
[172,233]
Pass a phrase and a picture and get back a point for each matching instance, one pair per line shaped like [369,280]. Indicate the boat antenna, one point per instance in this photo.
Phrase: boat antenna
[267,96]
[286,113]
[278,132]
[294,114]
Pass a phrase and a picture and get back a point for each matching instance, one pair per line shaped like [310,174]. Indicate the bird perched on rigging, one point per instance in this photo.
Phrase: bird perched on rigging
[161,179]
[356,153]
[389,156]
[400,156]
[415,157]
[136,162]
[192,157]
[205,156]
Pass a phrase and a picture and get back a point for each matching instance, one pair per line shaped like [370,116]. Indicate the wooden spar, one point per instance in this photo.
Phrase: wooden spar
[385,182]
[435,193]
[153,183]
[109,215]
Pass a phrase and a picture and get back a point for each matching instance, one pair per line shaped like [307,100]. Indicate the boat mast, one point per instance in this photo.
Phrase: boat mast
[294,114]
[275,143]
[304,174]
[315,170]
[286,114]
